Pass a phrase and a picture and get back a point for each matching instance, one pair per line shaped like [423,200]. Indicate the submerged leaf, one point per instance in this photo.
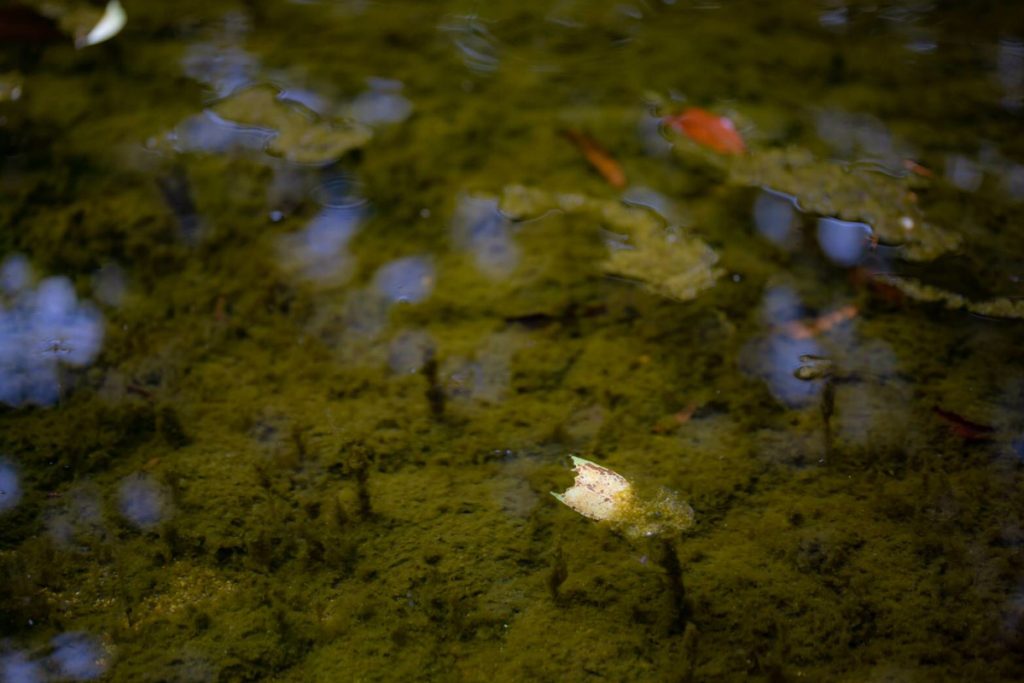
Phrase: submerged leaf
[1002,307]
[666,263]
[301,136]
[598,157]
[884,202]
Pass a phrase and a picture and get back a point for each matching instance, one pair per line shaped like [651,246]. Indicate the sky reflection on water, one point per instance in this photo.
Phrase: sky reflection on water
[40,329]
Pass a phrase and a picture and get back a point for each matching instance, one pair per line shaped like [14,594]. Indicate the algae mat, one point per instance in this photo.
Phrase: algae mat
[304,308]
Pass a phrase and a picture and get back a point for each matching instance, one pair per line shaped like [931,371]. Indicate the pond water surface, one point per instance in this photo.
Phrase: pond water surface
[304,307]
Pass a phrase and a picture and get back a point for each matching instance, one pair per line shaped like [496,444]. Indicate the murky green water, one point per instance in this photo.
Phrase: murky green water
[305,305]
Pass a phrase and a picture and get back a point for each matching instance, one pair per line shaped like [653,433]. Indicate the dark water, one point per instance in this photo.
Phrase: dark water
[288,364]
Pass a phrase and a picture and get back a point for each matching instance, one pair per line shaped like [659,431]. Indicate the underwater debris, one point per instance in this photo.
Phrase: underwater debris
[109,25]
[10,84]
[597,156]
[46,20]
[665,261]
[1002,307]
[800,329]
[717,133]
[301,137]
[600,494]
[968,430]
[886,203]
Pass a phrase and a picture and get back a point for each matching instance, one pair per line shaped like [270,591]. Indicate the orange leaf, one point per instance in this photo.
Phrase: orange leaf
[710,130]
[598,157]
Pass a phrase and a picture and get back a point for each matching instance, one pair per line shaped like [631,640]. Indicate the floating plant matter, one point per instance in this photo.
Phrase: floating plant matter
[606,496]
[300,136]
[667,262]
[1001,307]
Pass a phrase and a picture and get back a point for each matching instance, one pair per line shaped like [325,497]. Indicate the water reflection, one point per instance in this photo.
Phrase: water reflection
[40,329]
[476,45]
[1010,72]
[486,377]
[319,252]
[207,132]
[657,202]
[78,656]
[409,279]
[963,172]
[142,500]
[10,486]
[478,226]
[844,242]
[834,18]
[16,667]
[409,351]
[109,285]
[78,522]
[651,129]
[382,104]
[869,411]
[221,62]
[775,217]
[775,357]
[862,138]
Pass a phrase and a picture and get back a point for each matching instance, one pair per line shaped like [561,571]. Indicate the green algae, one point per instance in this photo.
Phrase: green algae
[297,134]
[667,263]
[1003,307]
[327,519]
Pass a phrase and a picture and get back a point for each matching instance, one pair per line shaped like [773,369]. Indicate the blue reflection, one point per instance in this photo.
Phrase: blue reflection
[409,351]
[650,128]
[478,47]
[844,242]
[780,304]
[141,500]
[655,201]
[78,522]
[307,98]
[409,279]
[110,284]
[207,132]
[17,668]
[775,357]
[964,173]
[478,225]
[1010,71]
[10,486]
[78,656]
[319,252]
[40,329]
[775,217]
[383,103]
[220,62]
[15,273]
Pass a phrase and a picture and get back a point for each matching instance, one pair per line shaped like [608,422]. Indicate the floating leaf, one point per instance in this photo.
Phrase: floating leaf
[603,495]
[666,262]
[851,193]
[85,22]
[301,136]
[717,133]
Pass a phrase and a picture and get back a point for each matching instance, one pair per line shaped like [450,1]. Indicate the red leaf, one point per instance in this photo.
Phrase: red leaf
[598,156]
[710,130]
[964,428]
